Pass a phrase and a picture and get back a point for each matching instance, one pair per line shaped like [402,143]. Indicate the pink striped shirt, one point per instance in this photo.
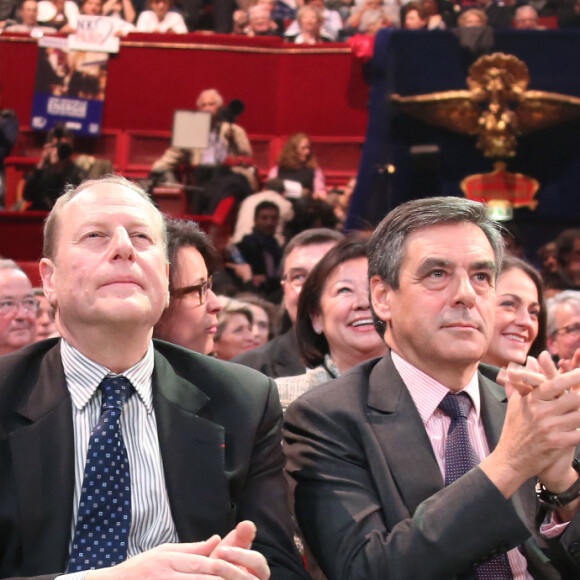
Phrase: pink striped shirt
[427,393]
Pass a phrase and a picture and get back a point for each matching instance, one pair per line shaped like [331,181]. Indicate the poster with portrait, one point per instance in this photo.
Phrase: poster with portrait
[70,87]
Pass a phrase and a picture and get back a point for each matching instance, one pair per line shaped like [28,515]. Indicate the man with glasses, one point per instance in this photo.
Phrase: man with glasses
[123,457]
[18,308]
[564,324]
[191,318]
[280,357]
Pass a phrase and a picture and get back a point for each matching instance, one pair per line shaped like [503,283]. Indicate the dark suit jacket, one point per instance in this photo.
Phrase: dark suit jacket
[369,495]
[219,434]
[277,358]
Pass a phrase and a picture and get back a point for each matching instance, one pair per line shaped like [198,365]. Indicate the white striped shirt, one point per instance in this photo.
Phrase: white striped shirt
[151,521]
[427,393]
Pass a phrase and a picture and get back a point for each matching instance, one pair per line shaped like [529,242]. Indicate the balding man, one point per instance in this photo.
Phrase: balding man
[18,308]
[119,451]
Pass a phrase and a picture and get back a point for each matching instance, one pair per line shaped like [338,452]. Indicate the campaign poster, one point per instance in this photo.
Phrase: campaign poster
[70,87]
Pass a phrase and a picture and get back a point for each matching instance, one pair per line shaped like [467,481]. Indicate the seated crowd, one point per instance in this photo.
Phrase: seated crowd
[315,310]
[298,21]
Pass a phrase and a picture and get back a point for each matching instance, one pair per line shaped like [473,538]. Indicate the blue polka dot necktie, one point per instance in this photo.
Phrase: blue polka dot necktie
[104,514]
[460,457]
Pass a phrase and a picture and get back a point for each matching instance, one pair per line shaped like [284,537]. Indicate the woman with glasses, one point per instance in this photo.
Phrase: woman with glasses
[334,326]
[520,315]
[191,317]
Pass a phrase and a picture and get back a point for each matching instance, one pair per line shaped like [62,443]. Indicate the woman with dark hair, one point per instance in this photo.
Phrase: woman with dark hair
[334,326]
[520,315]
[298,163]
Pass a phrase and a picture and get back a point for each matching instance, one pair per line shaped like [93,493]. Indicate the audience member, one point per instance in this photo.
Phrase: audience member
[121,9]
[416,17]
[45,323]
[159,17]
[226,139]
[273,191]
[520,315]
[234,334]
[331,22]
[29,20]
[390,8]
[8,10]
[310,27]
[368,16]
[298,164]
[385,458]
[564,324]
[472,18]
[263,316]
[53,172]
[310,214]
[18,308]
[547,256]
[9,126]
[526,18]
[498,16]
[334,325]
[260,22]
[196,441]
[190,320]
[569,14]
[59,14]
[92,7]
[280,357]
[568,256]
[434,19]
[262,252]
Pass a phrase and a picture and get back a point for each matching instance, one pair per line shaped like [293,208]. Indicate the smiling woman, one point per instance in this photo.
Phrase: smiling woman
[334,326]
[520,315]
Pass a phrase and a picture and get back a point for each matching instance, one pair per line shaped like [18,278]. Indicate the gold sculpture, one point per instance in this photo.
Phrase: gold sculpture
[497,107]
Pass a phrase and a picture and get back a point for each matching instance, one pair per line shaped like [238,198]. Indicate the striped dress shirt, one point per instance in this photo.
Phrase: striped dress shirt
[427,393]
[151,521]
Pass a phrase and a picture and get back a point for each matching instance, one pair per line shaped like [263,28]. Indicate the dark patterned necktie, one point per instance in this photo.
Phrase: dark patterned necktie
[104,515]
[460,457]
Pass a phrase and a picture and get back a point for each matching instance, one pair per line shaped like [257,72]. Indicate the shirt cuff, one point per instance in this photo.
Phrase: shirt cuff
[73,576]
[551,527]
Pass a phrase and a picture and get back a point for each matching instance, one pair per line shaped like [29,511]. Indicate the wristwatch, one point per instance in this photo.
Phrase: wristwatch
[558,500]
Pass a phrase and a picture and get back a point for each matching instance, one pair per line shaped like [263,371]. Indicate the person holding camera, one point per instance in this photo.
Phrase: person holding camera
[53,171]
[215,167]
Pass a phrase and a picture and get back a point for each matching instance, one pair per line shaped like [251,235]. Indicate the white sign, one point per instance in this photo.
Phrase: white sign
[95,33]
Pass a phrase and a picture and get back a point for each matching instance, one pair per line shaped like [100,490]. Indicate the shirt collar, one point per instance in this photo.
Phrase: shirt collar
[83,376]
[427,392]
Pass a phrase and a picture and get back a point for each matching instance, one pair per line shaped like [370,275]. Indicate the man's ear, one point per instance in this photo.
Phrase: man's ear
[381,297]
[47,271]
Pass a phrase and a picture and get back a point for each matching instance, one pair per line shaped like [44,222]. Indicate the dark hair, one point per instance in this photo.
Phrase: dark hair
[182,233]
[409,7]
[564,245]
[266,205]
[313,346]
[387,245]
[268,307]
[512,263]
[312,237]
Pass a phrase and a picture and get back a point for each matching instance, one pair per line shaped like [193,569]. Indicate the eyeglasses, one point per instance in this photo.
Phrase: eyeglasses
[11,306]
[572,330]
[201,289]
[296,278]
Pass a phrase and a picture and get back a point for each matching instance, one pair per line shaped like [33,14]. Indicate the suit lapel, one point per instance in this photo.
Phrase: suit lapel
[192,448]
[43,457]
[402,436]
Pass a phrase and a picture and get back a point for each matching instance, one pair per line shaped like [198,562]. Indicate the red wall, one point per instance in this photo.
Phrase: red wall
[285,88]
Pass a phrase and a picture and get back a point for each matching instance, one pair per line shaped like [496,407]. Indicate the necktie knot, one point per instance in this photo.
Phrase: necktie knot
[456,405]
[116,391]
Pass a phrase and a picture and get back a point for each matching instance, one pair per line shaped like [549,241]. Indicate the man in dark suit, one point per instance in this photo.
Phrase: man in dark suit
[387,479]
[201,438]
[280,356]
